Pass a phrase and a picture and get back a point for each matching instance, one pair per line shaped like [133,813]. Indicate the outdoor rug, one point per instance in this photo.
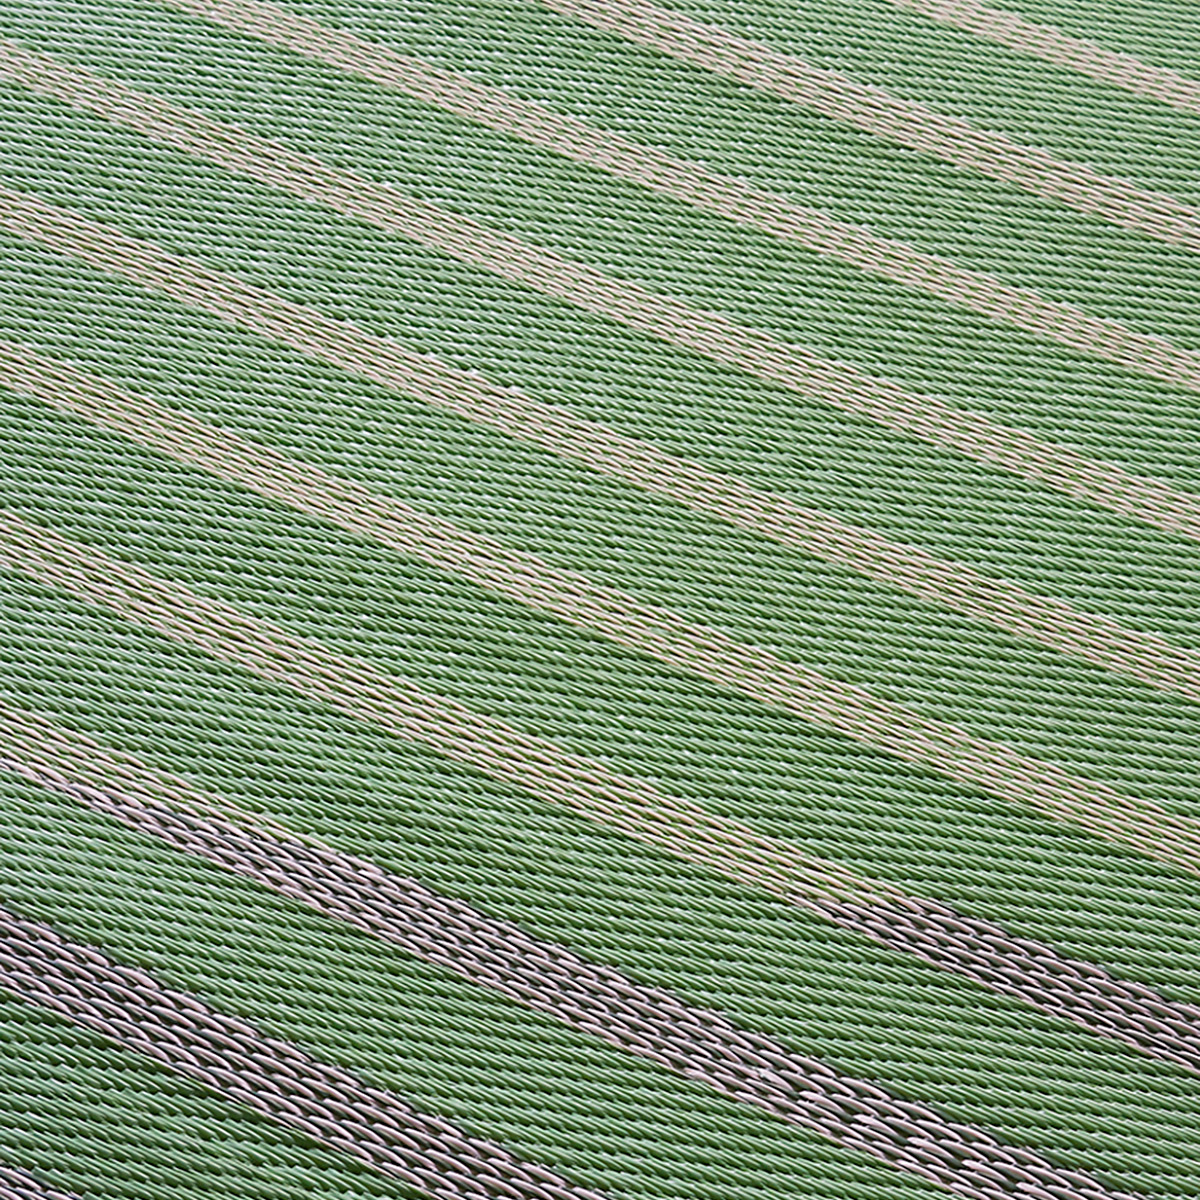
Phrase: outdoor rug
[600,600]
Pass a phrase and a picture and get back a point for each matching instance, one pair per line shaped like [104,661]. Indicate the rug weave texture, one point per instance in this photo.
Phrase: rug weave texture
[599,599]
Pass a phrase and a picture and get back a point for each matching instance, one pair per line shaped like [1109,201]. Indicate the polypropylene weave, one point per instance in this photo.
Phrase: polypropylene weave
[600,599]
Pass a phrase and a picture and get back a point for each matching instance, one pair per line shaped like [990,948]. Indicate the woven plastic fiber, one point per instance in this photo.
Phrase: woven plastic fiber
[600,599]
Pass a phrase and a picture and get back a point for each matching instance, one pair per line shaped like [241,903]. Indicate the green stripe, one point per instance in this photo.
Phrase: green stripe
[495,1068]
[542,676]
[963,504]
[579,690]
[927,344]
[684,110]
[691,112]
[1021,709]
[552,1094]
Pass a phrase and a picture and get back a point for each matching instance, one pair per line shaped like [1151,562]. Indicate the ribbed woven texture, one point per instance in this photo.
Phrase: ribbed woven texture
[600,600]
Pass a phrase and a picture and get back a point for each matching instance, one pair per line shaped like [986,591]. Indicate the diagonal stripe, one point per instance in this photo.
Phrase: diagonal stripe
[20,1185]
[721,195]
[592,791]
[657,633]
[1102,642]
[232,1058]
[384,361]
[402,912]
[645,1021]
[660,634]
[877,112]
[1062,50]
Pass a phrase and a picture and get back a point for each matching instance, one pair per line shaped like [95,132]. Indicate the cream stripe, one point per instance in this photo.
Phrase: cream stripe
[586,788]
[877,112]
[546,977]
[1144,657]
[705,333]
[357,688]
[361,511]
[709,334]
[1062,50]
[721,195]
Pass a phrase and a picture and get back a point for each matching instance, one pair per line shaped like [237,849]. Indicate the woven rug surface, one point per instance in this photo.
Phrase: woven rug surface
[600,599]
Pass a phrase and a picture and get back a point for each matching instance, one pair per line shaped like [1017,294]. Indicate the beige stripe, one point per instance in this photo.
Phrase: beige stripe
[1053,46]
[705,333]
[878,112]
[709,334]
[585,787]
[1148,659]
[1151,660]
[234,637]
[726,197]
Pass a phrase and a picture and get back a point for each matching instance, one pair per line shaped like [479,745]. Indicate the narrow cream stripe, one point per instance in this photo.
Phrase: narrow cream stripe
[1104,643]
[585,787]
[311,490]
[696,1043]
[721,195]
[704,333]
[852,712]
[708,334]
[879,113]
[1062,50]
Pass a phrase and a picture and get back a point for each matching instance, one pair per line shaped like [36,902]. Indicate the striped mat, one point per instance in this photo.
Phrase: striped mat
[600,599]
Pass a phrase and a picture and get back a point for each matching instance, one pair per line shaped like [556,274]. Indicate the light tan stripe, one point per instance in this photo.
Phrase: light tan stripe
[585,787]
[879,113]
[722,195]
[1144,657]
[1062,50]
[708,334]
[704,333]
[852,712]
[1150,660]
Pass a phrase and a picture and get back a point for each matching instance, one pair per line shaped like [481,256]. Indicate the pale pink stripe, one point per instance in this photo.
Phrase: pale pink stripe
[1062,50]
[877,112]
